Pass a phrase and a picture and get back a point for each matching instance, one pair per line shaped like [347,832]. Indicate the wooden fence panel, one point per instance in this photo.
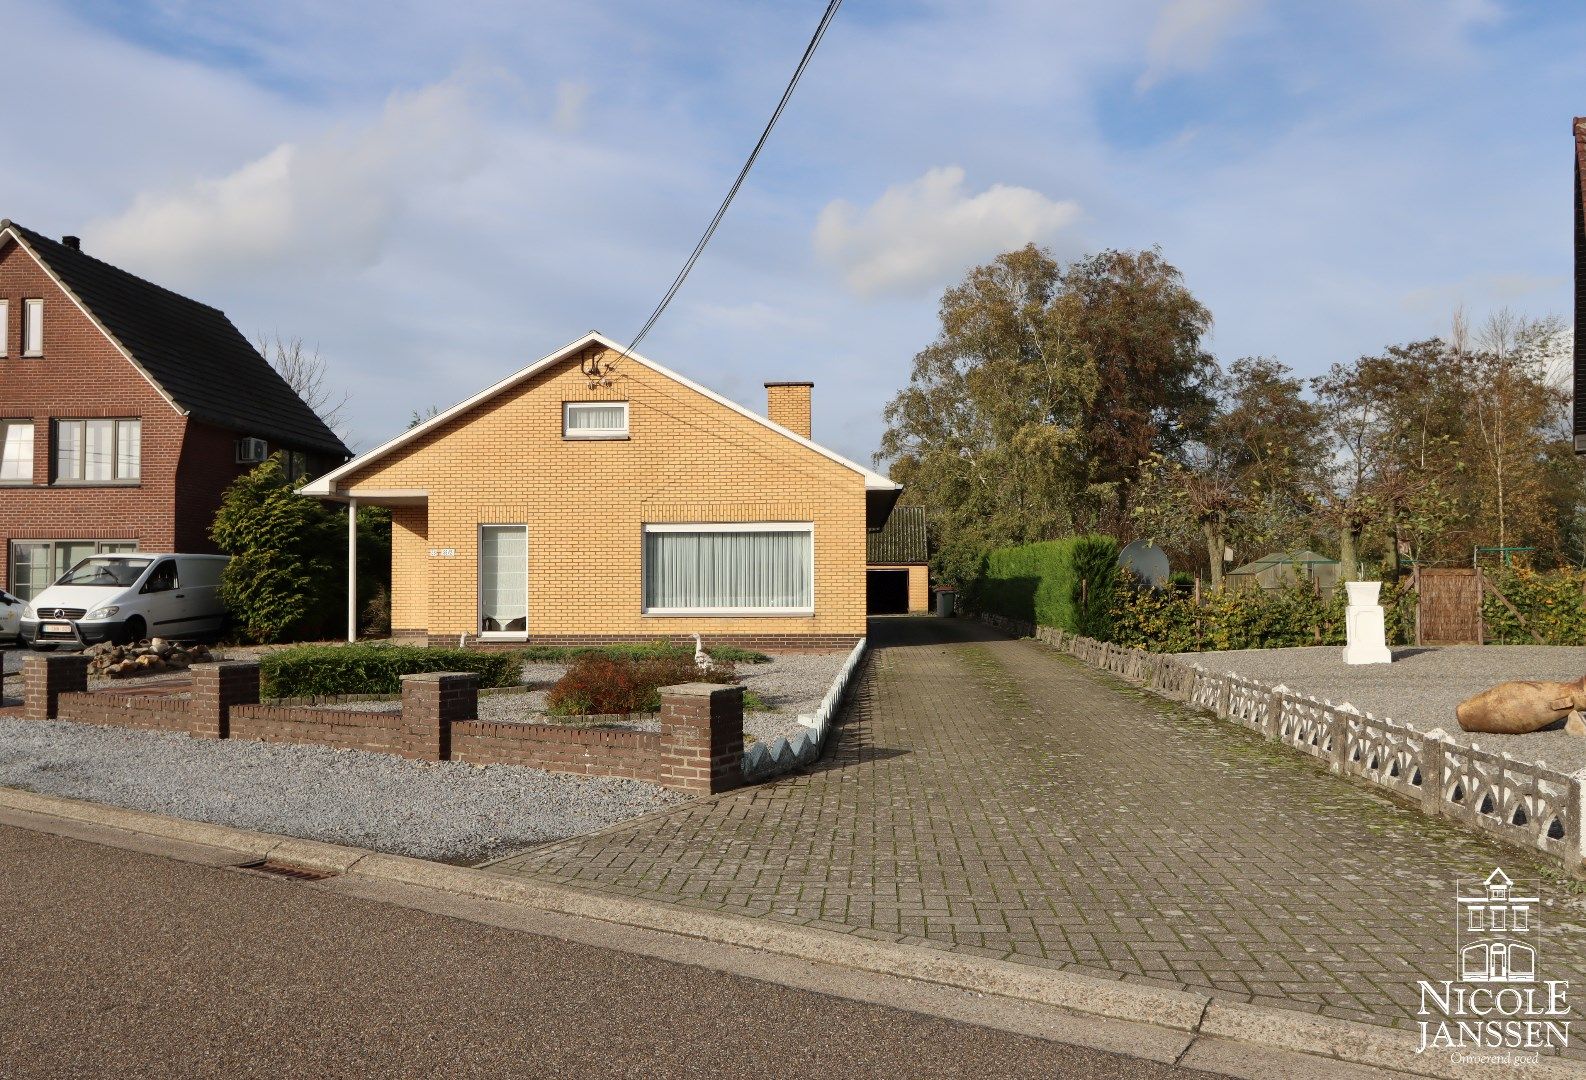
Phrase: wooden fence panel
[1449,606]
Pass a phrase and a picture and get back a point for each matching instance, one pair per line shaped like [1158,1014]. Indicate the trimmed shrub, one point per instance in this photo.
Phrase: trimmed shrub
[1167,620]
[1553,603]
[319,670]
[1064,583]
[559,654]
[598,684]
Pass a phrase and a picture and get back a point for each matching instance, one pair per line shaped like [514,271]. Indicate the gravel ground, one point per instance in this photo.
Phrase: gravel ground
[791,683]
[1422,686]
[429,810]
[11,664]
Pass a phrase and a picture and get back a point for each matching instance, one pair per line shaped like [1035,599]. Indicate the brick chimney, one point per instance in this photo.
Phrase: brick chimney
[788,404]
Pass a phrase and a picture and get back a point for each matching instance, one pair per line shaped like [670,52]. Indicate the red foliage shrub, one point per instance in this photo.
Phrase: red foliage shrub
[597,685]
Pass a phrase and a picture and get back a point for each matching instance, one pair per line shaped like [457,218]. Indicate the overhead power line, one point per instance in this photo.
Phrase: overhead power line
[721,211]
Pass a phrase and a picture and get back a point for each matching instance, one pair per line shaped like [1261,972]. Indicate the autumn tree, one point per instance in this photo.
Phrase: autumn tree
[1046,387]
[1129,314]
[1248,479]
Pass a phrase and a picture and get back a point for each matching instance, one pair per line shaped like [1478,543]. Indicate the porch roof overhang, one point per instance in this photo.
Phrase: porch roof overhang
[375,496]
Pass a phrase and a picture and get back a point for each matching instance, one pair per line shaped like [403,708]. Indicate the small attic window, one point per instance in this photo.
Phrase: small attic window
[594,419]
[32,328]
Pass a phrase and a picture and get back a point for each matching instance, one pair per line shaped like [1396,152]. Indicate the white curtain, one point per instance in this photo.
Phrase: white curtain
[503,578]
[743,570]
[591,418]
[16,451]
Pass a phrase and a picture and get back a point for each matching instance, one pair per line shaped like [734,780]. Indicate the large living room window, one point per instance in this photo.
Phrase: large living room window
[16,451]
[35,564]
[98,451]
[762,568]
[503,580]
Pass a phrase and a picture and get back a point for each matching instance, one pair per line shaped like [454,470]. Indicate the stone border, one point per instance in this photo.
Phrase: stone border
[1327,1044]
[784,753]
[1520,803]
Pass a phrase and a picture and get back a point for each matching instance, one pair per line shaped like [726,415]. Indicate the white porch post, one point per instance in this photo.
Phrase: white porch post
[352,569]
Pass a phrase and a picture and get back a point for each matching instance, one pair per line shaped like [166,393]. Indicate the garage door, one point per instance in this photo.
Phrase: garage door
[887,592]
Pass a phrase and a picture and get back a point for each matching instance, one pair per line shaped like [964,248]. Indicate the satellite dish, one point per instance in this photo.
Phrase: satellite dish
[1145,561]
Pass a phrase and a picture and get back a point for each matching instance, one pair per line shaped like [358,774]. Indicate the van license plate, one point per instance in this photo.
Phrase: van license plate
[57,628]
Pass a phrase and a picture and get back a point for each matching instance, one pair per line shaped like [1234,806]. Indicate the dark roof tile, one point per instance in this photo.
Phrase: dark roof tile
[195,354]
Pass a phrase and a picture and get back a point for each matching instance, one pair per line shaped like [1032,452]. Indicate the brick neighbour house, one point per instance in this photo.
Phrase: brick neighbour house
[593,497]
[121,409]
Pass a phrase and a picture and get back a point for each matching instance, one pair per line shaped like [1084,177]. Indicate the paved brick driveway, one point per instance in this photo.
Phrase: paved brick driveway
[991,796]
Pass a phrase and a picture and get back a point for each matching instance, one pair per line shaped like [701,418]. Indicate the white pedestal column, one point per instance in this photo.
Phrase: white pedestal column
[1365,627]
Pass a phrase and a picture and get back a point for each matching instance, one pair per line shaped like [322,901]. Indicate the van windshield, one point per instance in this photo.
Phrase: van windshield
[106,570]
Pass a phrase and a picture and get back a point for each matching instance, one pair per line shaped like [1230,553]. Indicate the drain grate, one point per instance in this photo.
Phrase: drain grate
[288,871]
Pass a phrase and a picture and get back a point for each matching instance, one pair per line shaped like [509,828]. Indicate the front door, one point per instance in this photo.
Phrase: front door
[503,581]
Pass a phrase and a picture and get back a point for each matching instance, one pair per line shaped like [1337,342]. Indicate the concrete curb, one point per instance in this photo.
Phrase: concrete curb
[1199,1015]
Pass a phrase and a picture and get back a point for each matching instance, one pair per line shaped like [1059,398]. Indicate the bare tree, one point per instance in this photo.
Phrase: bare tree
[305,372]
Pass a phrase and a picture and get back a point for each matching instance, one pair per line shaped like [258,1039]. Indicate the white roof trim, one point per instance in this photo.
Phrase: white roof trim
[10,230]
[327,485]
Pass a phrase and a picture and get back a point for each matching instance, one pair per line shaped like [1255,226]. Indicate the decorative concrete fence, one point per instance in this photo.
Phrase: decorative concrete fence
[699,748]
[764,760]
[1522,803]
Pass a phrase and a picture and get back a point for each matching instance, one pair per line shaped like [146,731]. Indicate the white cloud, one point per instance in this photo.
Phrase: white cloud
[327,202]
[922,232]
[1188,34]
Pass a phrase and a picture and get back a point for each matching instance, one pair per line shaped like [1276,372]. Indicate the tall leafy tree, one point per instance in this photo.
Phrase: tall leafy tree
[1047,386]
[1248,479]
[1132,318]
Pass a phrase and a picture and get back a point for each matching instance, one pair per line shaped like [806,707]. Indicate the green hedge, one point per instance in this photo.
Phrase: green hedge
[316,670]
[1553,603]
[1168,620]
[1064,583]
[648,650]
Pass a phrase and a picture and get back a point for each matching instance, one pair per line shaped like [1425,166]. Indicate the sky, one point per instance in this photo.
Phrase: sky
[434,196]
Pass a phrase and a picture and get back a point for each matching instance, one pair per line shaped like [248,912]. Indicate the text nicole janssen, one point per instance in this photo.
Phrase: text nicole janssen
[1528,1017]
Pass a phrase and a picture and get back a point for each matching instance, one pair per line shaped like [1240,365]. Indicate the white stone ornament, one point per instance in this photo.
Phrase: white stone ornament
[1366,629]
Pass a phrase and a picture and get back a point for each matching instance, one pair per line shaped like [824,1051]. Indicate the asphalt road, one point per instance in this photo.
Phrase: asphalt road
[117,963]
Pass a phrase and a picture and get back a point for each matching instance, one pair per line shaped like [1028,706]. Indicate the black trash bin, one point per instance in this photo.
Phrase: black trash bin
[944,602]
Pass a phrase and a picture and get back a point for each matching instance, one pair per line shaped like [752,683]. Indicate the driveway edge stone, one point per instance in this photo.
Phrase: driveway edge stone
[1318,1038]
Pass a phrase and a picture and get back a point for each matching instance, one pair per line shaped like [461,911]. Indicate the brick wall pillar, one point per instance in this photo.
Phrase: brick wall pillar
[701,738]
[216,688]
[430,702]
[46,677]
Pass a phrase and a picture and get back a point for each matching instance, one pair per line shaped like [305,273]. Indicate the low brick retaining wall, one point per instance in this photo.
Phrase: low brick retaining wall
[1521,803]
[699,748]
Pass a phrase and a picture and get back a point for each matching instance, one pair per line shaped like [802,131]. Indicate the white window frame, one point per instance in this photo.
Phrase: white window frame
[5,327]
[32,343]
[5,423]
[568,432]
[479,593]
[720,527]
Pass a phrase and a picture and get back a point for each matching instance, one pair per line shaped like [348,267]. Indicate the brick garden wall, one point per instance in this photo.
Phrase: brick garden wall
[699,749]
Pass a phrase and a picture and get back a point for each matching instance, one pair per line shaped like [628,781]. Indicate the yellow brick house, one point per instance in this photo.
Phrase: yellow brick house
[599,497]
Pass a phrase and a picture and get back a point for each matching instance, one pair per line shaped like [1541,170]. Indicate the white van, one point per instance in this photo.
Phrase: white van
[128,597]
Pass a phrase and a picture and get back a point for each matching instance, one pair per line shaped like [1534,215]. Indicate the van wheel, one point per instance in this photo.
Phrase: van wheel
[137,630]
